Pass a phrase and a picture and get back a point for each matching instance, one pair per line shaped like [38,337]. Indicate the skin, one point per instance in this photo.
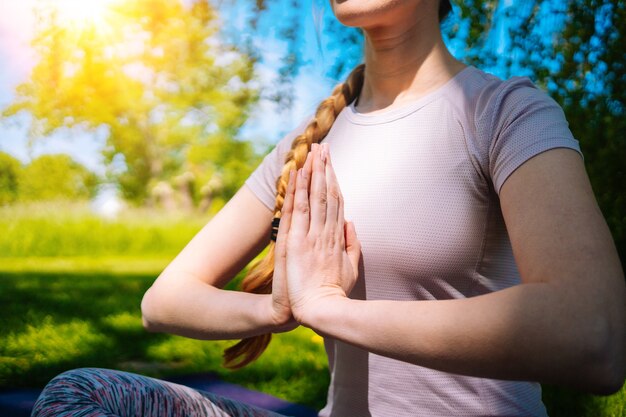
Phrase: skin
[405,55]
[565,323]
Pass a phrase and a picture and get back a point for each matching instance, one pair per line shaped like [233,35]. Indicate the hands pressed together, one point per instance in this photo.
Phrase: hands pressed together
[317,252]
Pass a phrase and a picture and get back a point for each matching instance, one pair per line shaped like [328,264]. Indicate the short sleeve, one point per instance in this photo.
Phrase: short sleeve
[262,181]
[524,121]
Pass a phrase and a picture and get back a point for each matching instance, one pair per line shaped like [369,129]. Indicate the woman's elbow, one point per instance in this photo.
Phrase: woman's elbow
[606,360]
[150,311]
[608,378]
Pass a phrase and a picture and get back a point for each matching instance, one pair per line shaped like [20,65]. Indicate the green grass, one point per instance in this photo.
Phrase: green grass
[562,402]
[70,290]
[59,314]
[54,319]
[71,229]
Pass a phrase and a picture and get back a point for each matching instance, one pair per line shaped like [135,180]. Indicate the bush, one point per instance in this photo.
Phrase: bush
[10,170]
[55,177]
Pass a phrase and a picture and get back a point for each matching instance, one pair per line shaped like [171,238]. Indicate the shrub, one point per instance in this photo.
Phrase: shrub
[55,177]
[10,170]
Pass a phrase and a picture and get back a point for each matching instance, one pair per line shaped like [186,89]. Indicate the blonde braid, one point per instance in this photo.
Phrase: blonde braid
[259,277]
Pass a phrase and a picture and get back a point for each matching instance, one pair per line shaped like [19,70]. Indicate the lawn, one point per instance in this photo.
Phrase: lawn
[65,315]
[70,289]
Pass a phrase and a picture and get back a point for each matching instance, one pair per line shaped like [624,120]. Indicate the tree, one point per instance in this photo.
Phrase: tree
[56,177]
[151,74]
[10,171]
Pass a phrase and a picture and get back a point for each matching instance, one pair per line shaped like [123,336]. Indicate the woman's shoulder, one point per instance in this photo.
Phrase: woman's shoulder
[486,103]
[510,120]
[493,98]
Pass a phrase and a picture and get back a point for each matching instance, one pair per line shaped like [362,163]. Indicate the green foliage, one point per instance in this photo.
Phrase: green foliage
[154,76]
[48,177]
[54,177]
[10,172]
[225,161]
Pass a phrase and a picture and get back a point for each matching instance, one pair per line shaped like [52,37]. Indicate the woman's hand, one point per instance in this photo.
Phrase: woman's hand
[281,309]
[322,250]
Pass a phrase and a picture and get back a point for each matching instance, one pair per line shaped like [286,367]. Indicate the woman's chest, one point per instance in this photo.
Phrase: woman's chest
[418,205]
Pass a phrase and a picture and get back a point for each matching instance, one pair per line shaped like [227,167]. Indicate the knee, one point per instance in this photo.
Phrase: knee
[69,387]
[77,380]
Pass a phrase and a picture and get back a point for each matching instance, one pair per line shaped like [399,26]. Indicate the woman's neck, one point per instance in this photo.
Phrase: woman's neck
[404,63]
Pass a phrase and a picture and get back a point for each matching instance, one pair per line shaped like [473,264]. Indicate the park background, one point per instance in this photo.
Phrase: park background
[124,126]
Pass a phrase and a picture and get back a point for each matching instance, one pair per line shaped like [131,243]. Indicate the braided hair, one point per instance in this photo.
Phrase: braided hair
[259,277]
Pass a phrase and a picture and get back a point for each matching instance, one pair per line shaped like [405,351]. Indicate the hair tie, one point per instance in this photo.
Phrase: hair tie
[275,224]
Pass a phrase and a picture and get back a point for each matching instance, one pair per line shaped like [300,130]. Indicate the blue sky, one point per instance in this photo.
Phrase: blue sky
[17,58]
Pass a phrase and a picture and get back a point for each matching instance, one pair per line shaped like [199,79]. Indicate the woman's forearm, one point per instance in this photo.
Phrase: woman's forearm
[516,333]
[189,307]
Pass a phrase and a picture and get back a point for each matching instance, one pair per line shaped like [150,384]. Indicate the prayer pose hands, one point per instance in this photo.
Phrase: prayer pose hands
[317,252]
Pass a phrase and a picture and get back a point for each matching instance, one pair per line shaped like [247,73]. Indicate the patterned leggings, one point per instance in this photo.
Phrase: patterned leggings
[90,392]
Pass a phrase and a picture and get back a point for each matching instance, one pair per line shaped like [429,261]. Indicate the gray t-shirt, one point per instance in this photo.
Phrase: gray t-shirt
[421,184]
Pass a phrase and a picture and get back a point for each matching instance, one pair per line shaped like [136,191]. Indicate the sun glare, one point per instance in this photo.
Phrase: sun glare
[83,13]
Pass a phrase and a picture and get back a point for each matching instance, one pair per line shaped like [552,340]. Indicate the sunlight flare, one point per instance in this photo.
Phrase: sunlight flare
[82,14]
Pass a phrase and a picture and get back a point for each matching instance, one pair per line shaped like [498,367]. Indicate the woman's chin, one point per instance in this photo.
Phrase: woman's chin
[372,13]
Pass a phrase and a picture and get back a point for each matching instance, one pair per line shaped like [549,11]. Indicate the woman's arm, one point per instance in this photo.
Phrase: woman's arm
[187,298]
[564,324]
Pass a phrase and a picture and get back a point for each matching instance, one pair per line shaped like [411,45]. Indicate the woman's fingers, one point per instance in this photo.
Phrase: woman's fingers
[334,211]
[317,196]
[317,199]
[286,212]
[281,310]
[300,219]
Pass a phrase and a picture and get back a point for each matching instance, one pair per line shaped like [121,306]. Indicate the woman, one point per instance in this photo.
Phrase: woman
[482,260]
